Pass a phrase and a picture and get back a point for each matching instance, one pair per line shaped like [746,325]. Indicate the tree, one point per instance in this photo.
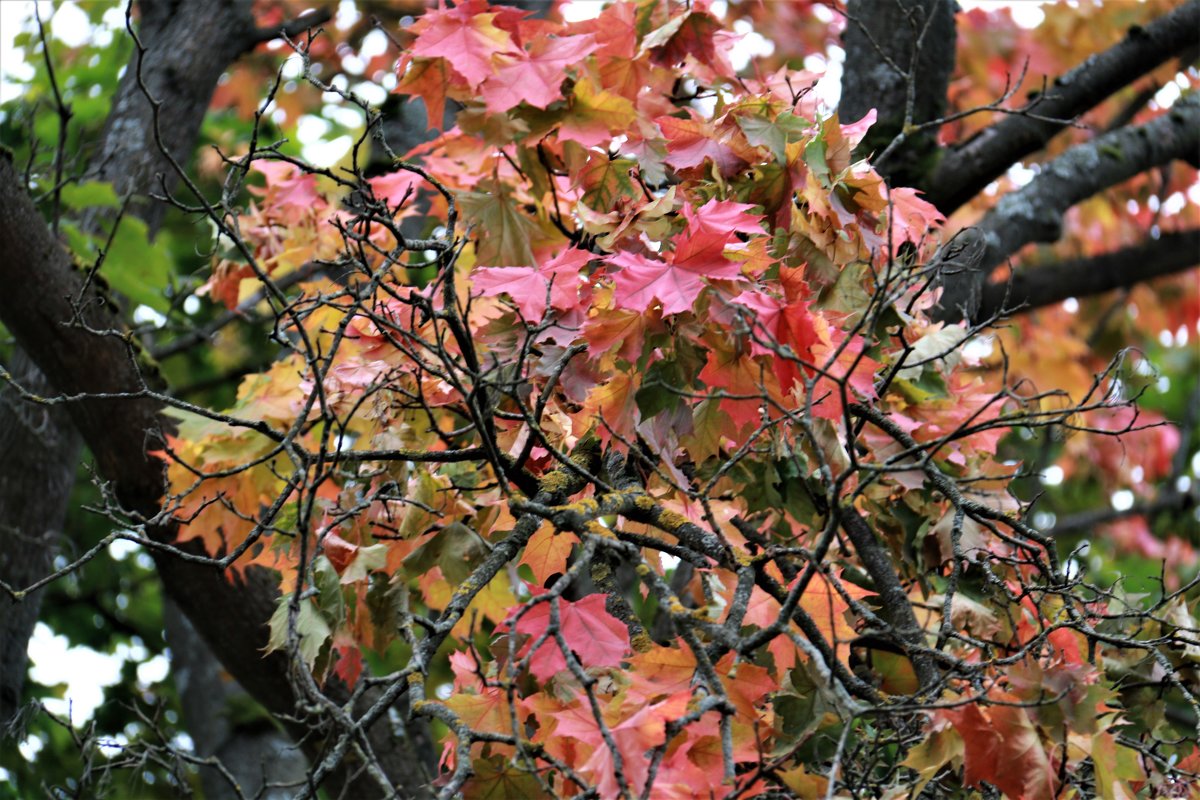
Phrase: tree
[651,427]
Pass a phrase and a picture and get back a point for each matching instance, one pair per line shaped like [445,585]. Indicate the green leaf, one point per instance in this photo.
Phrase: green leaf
[137,268]
[504,233]
[929,757]
[90,194]
[814,156]
[329,588]
[455,549]
[366,560]
[774,133]
[500,779]
[310,625]
[929,387]
[655,394]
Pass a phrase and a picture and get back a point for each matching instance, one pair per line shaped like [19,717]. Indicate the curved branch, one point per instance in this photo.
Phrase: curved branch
[897,607]
[290,29]
[966,170]
[81,352]
[1034,212]
[1047,284]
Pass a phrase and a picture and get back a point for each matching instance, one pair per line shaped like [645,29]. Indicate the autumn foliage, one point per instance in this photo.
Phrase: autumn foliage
[622,431]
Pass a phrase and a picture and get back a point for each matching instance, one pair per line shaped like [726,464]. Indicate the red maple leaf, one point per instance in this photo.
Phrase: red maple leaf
[691,141]
[781,323]
[596,637]
[699,253]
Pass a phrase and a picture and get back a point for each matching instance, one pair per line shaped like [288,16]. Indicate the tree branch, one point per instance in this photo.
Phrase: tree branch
[79,361]
[899,57]
[1044,285]
[290,29]
[897,608]
[967,169]
[1034,212]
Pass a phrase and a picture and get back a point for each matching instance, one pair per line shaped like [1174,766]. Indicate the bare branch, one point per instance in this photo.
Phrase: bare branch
[1036,287]
[966,170]
[1034,213]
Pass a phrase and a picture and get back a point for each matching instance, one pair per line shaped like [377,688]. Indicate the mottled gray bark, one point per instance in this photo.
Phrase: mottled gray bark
[1046,284]
[968,168]
[899,58]
[1034,213]
[225,723]
[39,452]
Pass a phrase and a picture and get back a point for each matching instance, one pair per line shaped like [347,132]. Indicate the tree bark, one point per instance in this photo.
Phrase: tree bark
[1034,213]
[39,452]
[1046,284]
[899,58]
[187,47]
[225,723]
[969,167]
[109,405]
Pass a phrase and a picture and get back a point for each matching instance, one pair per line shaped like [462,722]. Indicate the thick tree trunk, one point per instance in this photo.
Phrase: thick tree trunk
[39,452]
[226,724]
[899,58]
[188,45]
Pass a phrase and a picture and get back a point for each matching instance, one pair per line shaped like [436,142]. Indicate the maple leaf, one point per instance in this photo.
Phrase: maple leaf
[509,232]
[643,280]
[547,552]
[677,281]
[596,637]
[500,779]
[426,78]
[709,229]
[349,661]
[528,286]
[694,33]
[822,603]
[525,285]
[614,404]
[486,712]
[534,77]
[663,670]
[593,114]
[780,323]
[396,187]
[287,186]
[691,141]
[465,36]
[1002,747]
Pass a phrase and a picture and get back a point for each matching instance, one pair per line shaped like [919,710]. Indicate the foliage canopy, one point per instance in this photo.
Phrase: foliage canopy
[647,427]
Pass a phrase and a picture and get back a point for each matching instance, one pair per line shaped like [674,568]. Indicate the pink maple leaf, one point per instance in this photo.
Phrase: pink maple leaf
[642,279]
[527,285]
[699,253]
[465,36]
[855,131]
[596,637]
[534,77]
[395,187]
[710,228]
[287,185]
[691,141]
